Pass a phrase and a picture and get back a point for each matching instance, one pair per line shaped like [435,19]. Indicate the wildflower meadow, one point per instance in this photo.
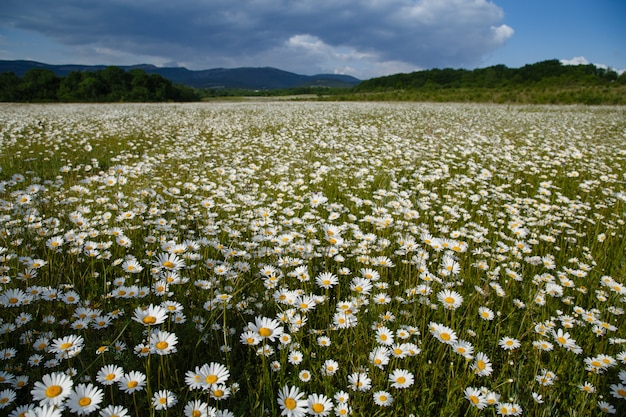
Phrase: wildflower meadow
[312,259]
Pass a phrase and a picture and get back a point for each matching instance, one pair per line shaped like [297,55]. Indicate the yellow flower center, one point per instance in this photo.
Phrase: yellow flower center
[13,300]
[317,407]
[149,320]
[168,264]
[211,379]
[162,345]
[53,391]
[65,346]
[84,402]
[290,403]
[401,380]
[132,384]
[449,300]
[621,393]
[445,336]
[265,332]
[383,398]
[474,399]
[481,365]
[218,393]
[561,340]
[196,413]
[110,377]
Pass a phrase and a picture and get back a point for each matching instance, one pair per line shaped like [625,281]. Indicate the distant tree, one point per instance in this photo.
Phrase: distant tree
[9,87]
[118,82]
[39,85]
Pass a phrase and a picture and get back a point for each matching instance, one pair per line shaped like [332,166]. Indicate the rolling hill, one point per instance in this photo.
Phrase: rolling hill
[265,78]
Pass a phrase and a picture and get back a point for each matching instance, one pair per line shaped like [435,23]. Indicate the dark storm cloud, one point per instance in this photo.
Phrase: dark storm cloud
[292,34]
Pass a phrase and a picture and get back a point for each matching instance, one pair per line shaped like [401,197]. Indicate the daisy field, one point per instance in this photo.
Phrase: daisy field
[303,259]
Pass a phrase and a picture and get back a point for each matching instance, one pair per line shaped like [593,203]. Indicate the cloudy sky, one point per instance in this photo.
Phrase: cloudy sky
[363,38]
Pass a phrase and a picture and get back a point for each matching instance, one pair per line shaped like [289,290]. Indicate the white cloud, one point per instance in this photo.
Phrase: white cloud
[577,60]
[581,60]
[502,33]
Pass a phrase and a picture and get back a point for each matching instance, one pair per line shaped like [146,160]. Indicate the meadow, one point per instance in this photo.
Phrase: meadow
[330,259]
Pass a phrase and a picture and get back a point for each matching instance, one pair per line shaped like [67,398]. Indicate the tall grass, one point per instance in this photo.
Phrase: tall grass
[369,259]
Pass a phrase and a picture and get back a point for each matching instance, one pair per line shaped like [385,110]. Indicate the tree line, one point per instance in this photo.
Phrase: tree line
[549,73]
[112,84]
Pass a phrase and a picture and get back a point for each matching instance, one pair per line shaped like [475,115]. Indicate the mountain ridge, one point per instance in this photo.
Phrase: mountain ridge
[251,78]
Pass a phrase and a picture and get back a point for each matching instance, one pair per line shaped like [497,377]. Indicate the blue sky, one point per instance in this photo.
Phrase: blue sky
[364,38]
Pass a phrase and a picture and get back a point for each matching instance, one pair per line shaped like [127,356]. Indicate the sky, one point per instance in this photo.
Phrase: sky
[362,38]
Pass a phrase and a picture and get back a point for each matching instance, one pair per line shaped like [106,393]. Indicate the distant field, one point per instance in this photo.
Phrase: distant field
[281,258]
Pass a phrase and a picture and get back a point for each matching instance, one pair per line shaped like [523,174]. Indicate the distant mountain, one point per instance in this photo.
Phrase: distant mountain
[247,78]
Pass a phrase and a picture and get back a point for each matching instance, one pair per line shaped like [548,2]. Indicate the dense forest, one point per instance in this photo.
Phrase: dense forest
[111,84]
[546,82]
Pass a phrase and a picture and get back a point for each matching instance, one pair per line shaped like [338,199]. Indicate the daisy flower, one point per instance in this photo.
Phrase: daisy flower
[606,407]
[319,405]
[382,398]
[304,375]
[168,261]
[401,378]
[380,356]
[7,396]
[132,382]
[361,285]
[219,392]
[163,399]
[114,411]
[67,347]
[384,336]
[213,373]
[463,348]
[329,367]
[343,409]
[85,399]
[508,343]
[22,410]
[163,343]
[292,402]
[451,300]
[53,389]
[618,391]
[482,365]
[509,409]
[198,408]
[250,338]
[132,266]
[44,411]
[150,316]
[475,397]
[295,357]
[326,280]
[341,397]
[359,381]
[485,313]
[442,333]
[323,341]
[266,328]
[109,374]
